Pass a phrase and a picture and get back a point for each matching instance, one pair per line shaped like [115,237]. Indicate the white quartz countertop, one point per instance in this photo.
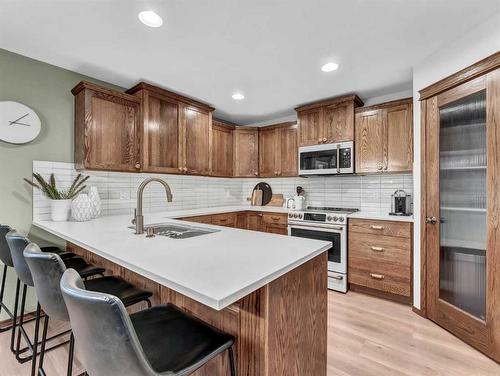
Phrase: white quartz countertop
[381,216]
[216,269]
[224,209]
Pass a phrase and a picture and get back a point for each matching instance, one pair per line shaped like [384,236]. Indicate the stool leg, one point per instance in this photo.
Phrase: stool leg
[14,319]
[2,289]
[232,366]
[35,342]
[21,321]
[71,352]
[41,371]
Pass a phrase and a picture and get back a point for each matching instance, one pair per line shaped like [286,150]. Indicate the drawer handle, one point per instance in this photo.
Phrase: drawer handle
[377,227]
[377,249]
[337,277]
[223,220]
[377,276]
[275,218]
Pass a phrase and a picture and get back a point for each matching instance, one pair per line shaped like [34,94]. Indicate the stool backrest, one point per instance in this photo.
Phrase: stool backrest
[47,270]
[5,256]
[104,335]
[17,242]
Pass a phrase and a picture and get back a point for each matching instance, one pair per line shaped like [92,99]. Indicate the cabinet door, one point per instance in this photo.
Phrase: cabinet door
[370,141]
[255,221]
[222,151]
[106,129]
[399,125]
[310,129]
[268,152]
[288,151]
[338,122]
[196,126]
[161,136]
[246,152]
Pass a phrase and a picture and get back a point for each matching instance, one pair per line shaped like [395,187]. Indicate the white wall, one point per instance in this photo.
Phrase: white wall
[478,43]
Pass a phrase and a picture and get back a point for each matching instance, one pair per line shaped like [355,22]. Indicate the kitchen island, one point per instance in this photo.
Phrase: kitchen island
[269,291]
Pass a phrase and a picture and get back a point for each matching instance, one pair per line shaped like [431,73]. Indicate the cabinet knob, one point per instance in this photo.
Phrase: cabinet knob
[185,169]
[256,173]
[431,220]
[324,139]
[320,140]
[180,168]
[137,165]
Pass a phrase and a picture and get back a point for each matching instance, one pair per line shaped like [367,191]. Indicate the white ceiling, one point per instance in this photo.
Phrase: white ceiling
[271,50]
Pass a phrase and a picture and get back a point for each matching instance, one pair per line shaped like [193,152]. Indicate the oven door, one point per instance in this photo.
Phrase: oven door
[337,253]
[326,159]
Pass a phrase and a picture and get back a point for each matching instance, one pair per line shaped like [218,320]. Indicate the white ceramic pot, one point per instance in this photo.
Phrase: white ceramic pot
[81,208]
[59,210]
[95,200]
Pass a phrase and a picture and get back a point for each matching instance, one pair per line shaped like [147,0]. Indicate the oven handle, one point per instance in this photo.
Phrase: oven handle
[319,228]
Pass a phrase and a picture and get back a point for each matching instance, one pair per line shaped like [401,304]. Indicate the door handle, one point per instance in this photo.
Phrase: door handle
[431,220]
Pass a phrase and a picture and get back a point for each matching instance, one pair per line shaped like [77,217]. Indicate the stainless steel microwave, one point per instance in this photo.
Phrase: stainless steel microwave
[327,159]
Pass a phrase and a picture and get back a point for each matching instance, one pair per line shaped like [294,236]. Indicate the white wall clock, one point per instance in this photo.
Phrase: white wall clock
[19,124]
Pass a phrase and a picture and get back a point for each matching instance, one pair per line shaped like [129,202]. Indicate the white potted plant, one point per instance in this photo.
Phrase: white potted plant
[60,200]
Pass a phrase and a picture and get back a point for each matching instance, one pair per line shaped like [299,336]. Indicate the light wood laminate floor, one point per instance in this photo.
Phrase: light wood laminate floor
[367,336]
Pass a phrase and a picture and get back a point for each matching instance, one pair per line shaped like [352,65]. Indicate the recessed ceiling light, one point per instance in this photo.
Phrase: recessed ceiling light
[238,96]
[150,18]
[330,67]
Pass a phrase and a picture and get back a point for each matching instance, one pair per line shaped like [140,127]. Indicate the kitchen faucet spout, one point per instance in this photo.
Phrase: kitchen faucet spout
[138,217]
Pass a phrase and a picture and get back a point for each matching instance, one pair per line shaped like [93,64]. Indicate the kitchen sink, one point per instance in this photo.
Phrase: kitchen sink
[177,231]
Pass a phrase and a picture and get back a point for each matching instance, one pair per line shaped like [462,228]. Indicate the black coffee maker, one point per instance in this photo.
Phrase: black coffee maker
[401,203]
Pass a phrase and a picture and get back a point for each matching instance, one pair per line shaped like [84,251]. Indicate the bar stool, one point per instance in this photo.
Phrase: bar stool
[47,270]
[162,340]
[17,243]
[6,259]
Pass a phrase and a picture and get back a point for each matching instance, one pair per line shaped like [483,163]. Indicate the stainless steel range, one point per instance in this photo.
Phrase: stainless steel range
[329,224]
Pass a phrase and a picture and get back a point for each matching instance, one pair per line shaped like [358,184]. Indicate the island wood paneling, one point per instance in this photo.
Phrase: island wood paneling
[280,329]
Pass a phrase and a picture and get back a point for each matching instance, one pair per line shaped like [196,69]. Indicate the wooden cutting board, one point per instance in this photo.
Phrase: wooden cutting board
[277,200]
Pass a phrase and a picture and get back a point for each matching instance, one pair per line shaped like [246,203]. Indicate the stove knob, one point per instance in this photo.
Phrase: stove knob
[335,219]
[329,218]
[341,219]
[290,215]
[300,216]
[295,215]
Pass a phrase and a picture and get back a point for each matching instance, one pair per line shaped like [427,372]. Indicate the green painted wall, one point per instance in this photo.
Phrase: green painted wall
[46,89]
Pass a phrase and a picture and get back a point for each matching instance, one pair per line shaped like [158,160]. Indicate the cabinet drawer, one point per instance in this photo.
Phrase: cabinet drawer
[277,229]
[381,276]
[388,249]
[225,219]
[207,219]
[369,226]
[275,218]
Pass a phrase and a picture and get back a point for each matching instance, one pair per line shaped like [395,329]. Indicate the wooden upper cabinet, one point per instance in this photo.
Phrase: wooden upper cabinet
[196,128]
[268,152]
[222,149]
[327,121]
[106,129]
[369,145]
[246,152]
[399,120]
[288,150]
[310,127]
[384,137]
[175,131]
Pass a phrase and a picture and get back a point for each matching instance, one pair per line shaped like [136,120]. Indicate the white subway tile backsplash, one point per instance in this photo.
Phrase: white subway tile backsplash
[118,190]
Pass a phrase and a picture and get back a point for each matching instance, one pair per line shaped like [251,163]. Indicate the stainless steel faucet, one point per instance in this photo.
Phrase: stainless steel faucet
[138,217]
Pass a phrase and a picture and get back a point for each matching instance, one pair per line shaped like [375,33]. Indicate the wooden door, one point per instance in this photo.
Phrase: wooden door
[246,152]
[161,135]
[268,152]
[254,221]
[222,150]
[106,129]
[338,122]
[399,123]
[462,231]
[370,141]
[310,128]
[288,151]
[196,128]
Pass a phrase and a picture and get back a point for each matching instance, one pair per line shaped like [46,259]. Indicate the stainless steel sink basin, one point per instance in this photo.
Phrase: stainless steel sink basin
[177,231]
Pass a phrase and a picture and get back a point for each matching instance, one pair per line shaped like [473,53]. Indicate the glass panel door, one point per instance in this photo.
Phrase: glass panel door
[463,198]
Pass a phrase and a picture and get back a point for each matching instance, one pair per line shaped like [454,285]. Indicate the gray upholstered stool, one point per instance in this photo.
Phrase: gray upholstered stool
[17,243]
[47,270]
[162,340]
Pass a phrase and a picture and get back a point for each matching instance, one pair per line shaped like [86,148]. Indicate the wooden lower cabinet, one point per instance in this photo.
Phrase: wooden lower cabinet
[277,333]
[276,223]
[380,257]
